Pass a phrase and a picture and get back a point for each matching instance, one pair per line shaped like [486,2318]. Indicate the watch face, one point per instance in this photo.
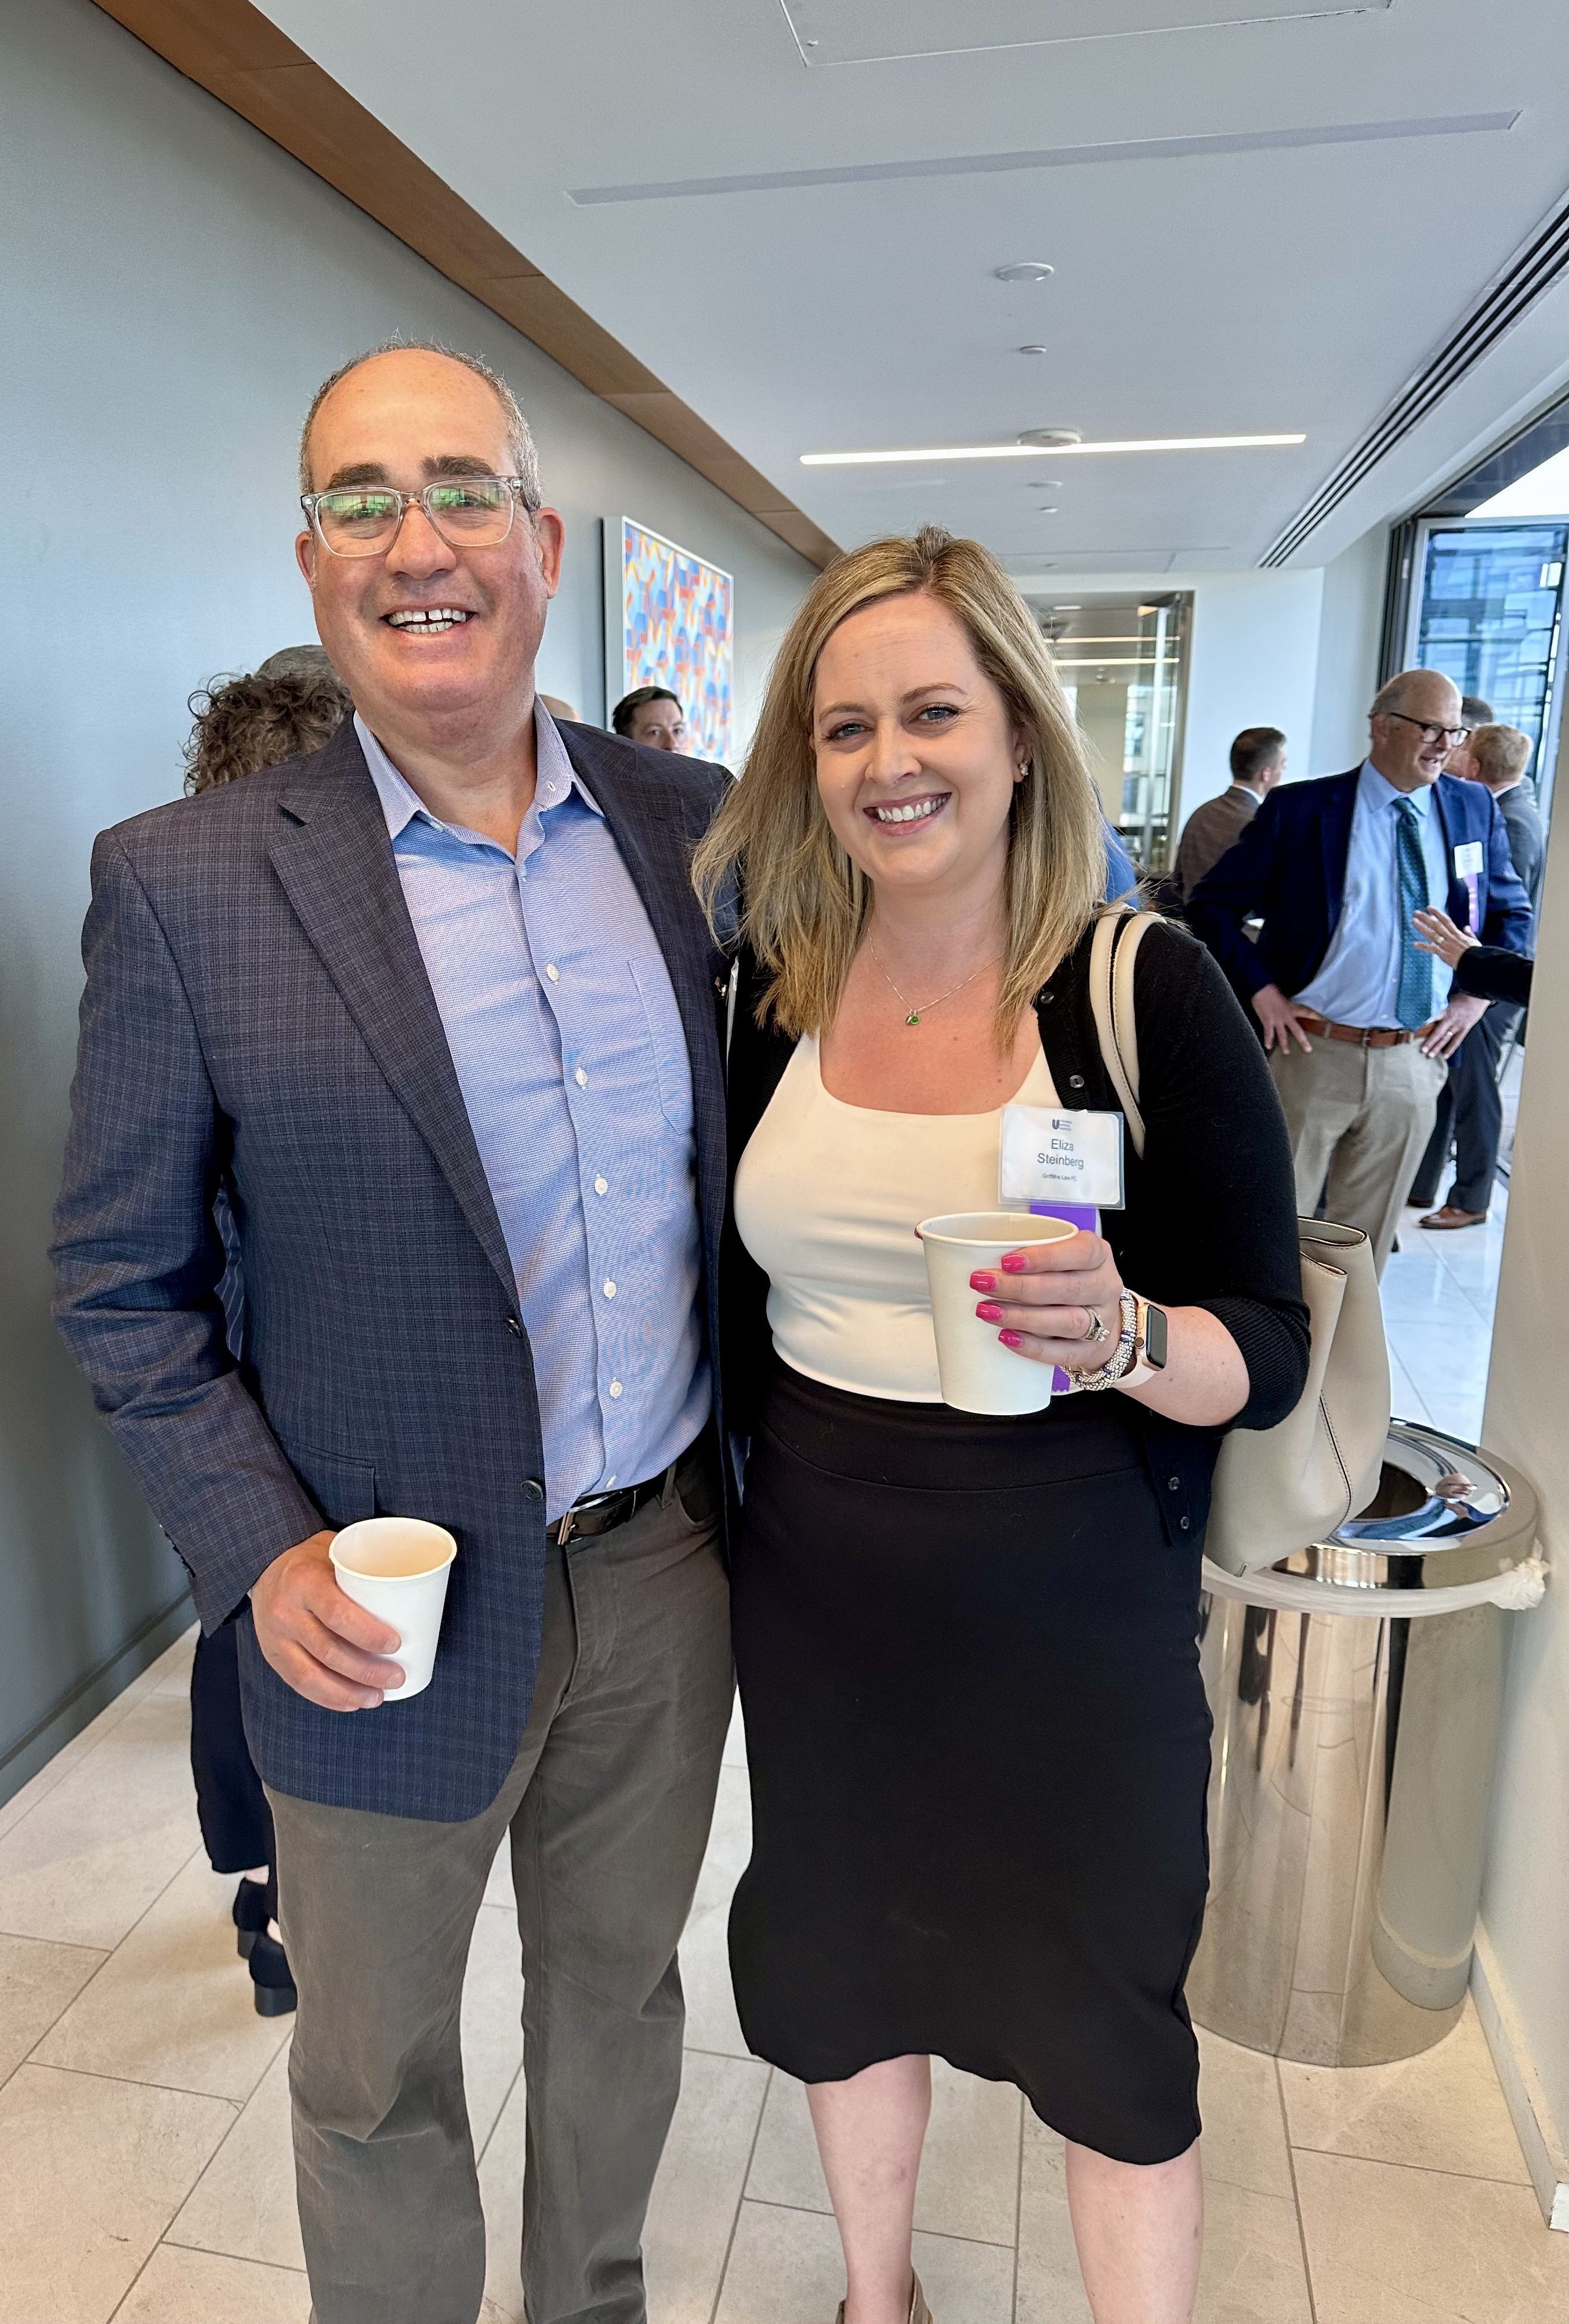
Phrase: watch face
[1155,1336]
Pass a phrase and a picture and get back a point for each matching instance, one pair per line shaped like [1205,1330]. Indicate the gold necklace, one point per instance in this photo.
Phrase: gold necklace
[915,1010]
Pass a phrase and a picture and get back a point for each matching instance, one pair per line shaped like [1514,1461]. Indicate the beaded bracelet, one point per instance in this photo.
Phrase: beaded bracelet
[1109,1373]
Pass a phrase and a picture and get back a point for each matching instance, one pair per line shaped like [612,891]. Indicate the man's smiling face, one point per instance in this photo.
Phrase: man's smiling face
[428,638]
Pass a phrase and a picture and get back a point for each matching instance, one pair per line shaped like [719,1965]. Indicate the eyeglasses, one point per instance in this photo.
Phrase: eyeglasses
[1450,736]
[366,519]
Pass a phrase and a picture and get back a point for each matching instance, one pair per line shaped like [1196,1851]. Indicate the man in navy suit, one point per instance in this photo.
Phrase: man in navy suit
[436,1011]
[1360,1021]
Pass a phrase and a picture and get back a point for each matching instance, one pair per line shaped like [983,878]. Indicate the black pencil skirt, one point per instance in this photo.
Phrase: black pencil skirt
[979,1749]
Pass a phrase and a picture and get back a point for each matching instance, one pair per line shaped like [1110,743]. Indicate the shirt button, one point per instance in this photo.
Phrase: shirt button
[552,972]
[581,1078]
[608,1483]
[609,1288]
[615,1388]
[602,1185]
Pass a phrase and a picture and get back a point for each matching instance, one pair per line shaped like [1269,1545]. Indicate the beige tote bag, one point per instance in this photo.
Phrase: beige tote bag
[1276,1489]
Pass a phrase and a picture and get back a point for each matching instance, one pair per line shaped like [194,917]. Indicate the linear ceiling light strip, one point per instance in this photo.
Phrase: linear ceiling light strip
[1535,270]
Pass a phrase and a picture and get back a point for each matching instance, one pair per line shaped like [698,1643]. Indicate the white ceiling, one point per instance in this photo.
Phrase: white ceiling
[1303,233]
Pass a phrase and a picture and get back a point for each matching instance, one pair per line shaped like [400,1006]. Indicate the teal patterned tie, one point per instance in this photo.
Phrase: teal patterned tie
[1414,995]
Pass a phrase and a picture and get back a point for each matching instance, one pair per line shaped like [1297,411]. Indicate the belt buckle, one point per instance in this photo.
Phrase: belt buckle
[565,1528]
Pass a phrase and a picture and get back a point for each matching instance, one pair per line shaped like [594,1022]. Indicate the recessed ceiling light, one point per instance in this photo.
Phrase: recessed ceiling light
[1046,511]
[1027,451]
[1050,439]
[1034,351]
[1024,270]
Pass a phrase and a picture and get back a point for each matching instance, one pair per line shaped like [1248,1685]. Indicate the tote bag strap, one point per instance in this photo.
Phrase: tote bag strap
[1113,949]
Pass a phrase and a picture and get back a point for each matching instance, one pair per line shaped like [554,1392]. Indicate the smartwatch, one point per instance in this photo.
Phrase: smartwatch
[1149,1346]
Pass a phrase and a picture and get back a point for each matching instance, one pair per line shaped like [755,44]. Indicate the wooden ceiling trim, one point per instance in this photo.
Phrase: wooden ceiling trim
[237,54]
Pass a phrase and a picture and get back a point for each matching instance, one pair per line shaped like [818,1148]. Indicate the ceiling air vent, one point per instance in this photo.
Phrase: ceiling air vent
[1533,270]
[882,31]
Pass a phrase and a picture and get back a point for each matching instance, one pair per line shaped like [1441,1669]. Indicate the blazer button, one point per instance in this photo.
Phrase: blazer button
[514,1327]
[1173,1484]
[1183,1524]
[532,1490]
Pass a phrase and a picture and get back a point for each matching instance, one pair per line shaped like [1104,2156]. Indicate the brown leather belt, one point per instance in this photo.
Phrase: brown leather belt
[1366,1037]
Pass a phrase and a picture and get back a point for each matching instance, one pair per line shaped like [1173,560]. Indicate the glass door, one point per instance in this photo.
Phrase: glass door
[1124,663]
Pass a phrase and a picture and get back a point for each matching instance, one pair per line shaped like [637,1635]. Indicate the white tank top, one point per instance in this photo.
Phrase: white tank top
[827,1198]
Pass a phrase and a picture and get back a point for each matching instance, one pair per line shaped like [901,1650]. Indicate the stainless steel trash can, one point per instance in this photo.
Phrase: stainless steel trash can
[1357,1689]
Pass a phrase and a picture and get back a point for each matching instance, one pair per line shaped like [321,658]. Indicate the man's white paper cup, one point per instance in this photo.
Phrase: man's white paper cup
[397,1568]
[977,1372]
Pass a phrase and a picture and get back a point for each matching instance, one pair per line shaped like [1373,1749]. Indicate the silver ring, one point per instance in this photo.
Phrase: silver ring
[1097,1331]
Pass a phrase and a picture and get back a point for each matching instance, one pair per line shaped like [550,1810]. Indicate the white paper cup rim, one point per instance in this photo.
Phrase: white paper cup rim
[436,1537]
[1005,1231]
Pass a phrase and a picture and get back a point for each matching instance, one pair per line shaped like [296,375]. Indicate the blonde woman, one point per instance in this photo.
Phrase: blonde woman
[977,1734]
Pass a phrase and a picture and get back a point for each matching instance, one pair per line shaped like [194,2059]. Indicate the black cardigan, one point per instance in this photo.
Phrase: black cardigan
[1211,1215]
[1488,972]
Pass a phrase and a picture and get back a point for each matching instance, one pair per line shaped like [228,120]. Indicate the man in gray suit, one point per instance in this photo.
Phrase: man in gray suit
[1470,1105]
[436,1012]
[1258,764]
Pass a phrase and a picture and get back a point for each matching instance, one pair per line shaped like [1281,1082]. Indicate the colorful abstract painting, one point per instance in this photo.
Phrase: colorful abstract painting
[678,629]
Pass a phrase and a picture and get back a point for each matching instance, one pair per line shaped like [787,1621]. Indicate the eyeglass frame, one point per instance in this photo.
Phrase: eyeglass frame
[517,488]
[1451,737]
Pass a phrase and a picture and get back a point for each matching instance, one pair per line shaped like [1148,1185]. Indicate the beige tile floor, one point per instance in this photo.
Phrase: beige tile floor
[144,2119]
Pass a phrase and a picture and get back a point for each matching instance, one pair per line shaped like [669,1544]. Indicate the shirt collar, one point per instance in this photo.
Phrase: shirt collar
[556,778]
[1379,791]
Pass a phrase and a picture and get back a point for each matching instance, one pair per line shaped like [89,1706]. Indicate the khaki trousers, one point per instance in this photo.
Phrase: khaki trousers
[1361,1118]
[608,1806]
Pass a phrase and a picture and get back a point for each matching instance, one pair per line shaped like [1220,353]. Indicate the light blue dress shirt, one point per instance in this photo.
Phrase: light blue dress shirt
[563,1026]
[1360,974]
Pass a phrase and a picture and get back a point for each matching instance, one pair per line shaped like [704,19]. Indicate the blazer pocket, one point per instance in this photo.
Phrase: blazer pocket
[668,1041]
[343,1489]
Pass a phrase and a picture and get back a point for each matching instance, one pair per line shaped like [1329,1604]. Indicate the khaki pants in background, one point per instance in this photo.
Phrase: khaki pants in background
[608,1804]
[1361,1119]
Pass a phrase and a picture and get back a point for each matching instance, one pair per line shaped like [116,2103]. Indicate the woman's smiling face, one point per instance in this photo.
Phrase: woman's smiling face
[916,749]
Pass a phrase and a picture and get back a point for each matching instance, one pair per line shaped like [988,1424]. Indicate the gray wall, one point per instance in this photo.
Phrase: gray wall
[175,288]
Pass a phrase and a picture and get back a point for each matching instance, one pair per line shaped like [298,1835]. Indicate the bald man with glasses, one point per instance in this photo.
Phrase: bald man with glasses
[1358,1019]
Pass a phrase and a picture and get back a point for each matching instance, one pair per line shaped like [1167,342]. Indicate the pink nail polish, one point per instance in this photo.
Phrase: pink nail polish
[982,1281]
[1014,1262]
[1011,1339]
[989,1312]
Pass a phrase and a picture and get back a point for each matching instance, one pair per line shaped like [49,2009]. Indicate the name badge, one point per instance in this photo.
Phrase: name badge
[1468,859]
[1050,1157]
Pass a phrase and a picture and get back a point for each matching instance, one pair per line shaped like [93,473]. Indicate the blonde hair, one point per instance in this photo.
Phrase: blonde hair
[804,902]
[1502,753]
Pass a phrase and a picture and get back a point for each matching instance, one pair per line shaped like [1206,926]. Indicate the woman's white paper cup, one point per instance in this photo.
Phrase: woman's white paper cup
[977,1372]
[397,1568]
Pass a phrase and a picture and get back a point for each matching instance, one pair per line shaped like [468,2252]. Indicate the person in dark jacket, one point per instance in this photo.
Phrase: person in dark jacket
[1470,1108]
[1361,1022]
[291,705]
[976,1729]
[1487,971]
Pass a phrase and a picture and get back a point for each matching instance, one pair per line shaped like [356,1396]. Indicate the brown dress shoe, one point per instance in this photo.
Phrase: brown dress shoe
[1449,1217]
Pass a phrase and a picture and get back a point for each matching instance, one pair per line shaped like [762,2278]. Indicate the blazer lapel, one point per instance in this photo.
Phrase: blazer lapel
[333,855]
[1334,824]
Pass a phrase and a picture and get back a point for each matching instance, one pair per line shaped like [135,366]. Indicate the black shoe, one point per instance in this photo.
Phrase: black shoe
[253,1911]
[273,1987]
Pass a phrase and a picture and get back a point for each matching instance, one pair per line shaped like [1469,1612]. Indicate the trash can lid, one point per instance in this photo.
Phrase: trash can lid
[1445,1514]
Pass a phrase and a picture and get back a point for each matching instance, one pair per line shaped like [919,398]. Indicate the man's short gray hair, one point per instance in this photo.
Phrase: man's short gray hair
[521,450]
[1390,696]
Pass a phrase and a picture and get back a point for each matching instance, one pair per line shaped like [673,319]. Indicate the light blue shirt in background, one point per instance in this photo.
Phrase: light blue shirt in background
[563,1025]
[1360,974]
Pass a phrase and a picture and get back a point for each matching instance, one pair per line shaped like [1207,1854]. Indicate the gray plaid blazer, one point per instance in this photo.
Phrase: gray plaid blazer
[258,1026]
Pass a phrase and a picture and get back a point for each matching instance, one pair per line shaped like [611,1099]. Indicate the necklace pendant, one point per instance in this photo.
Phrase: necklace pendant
[914,1017]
